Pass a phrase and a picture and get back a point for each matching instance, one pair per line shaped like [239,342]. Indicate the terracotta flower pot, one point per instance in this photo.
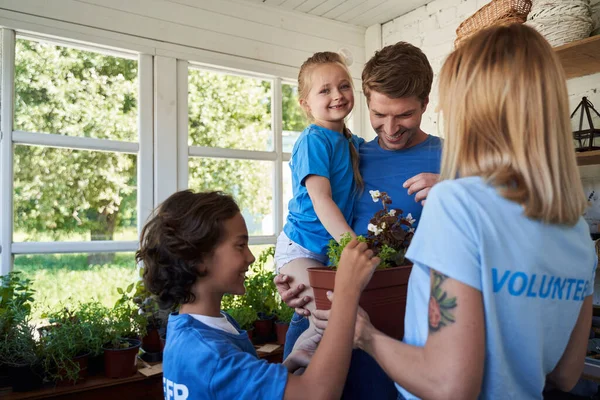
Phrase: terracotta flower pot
[121,363]
[384,298]
[281,329]
[151,343]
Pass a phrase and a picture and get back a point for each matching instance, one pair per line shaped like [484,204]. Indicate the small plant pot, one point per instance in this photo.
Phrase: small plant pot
[151,343]
[4,378]
[82,362]
[263,330]
[96,364]
[151,357]
[250,333]
[121,363]
[281,329]
[25,378]
[384,298]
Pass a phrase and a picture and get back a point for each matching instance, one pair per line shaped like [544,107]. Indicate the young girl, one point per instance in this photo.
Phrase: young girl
[324,165]
[194,250]
[500,295]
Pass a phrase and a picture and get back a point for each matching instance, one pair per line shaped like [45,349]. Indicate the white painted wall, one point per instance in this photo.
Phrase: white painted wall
[433,29]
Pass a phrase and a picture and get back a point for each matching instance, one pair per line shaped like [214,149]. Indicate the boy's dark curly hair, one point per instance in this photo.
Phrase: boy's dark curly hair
[184,230]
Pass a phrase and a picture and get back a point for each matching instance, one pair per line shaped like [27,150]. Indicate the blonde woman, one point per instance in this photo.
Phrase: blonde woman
[499,297]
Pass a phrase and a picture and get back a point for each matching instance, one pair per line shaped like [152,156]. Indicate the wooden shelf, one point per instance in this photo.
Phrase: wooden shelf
[588,157]
[581,57]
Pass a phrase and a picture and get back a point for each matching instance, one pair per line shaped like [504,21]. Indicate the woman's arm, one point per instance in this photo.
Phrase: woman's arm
[325,375]
[319,191]
[570,367]
[450,365]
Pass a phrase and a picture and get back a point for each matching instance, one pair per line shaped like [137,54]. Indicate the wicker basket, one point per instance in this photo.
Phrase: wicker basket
[497,12]
[560,21]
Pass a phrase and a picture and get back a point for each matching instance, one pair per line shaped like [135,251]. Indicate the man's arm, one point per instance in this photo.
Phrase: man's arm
[319,190]
[450,365]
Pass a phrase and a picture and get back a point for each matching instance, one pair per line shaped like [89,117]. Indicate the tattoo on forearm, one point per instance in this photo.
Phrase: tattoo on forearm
[441,306]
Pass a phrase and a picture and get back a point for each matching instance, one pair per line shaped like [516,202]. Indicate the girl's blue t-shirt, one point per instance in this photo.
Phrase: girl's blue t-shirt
[533,278]
[323,152]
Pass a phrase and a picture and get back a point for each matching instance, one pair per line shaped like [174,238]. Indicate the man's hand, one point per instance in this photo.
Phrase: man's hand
[421,184]
[289,295]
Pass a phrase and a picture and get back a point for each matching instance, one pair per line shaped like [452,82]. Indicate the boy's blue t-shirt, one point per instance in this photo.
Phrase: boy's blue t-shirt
[200,362]
[323,152]
[533,278]
[386,171]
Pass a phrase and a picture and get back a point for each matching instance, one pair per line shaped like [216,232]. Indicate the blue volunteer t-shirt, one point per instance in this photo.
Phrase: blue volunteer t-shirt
[200,362]
[323,152]
[533,278]
[387,170]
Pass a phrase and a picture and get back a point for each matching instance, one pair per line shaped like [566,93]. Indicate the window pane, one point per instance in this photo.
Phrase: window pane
[65,194]
[257,251]
[74,92]
[229,111]
[249,182]
[294,118]
[287,188]
[70,278]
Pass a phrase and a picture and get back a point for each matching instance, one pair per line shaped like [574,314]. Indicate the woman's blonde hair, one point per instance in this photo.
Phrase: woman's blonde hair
[304,86]
[505,108]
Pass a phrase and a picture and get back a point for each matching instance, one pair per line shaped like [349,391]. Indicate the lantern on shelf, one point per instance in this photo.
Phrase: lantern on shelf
[585,138]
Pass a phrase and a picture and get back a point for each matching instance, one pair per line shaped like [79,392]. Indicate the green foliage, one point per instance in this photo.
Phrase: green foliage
[68,279]
[244,316]
[18,345]
[334,251]
[72,333]
[294,118]
[390,234]
[284,313]
[16,296]
[77,93]
[125,319]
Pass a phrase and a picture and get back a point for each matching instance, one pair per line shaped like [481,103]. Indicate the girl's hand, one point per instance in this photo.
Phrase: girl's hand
[356,266]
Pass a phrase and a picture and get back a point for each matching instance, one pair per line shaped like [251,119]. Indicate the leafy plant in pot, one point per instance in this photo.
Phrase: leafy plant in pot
[20,352]
[156,319]
[124,328]
[95,317]
[16,297]
[67,346]
[261,296]
[245,316]
[384,298]
[284,317]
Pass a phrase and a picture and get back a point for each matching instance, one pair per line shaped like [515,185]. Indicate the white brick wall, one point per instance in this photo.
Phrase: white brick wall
[433,28]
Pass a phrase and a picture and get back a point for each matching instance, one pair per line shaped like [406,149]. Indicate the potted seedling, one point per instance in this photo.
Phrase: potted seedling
[94,316]
[67,346]
[384,298]
[284,317]
[20,352]
[125,326]
[261,296]
[16,296]
[245,317]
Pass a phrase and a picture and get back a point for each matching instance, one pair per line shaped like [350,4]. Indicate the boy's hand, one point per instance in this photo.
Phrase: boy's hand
[355,268]
[363,329]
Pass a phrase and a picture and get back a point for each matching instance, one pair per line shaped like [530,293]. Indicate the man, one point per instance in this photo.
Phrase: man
[402,160]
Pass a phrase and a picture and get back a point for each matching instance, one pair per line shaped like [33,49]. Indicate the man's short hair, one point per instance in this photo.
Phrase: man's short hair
[398,70]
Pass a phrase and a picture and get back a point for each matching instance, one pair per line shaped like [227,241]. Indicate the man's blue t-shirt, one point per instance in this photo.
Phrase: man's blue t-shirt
[200,362]
[387,170]
[323,152]
[533,278]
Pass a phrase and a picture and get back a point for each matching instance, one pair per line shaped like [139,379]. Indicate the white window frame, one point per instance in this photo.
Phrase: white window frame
[276,155]
[142,148]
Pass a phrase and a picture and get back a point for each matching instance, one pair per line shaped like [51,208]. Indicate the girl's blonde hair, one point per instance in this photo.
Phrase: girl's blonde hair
[304,86]
[505,108]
